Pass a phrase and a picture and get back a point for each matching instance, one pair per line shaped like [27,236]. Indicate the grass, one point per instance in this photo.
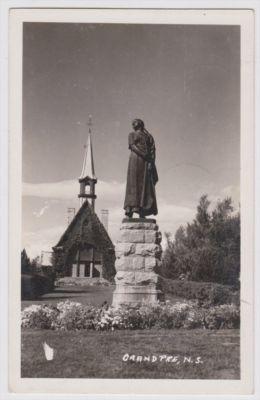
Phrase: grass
[89,354]
[95,295]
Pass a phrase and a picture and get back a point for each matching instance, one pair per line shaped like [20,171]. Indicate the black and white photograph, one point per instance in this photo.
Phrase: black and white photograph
[131,204]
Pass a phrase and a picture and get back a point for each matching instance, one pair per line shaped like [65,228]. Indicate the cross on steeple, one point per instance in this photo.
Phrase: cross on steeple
[87,177]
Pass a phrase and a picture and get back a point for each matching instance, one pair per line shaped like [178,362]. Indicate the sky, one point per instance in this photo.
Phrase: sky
[182,80]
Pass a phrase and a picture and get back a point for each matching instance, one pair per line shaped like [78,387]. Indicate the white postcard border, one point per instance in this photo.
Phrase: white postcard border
[247,205]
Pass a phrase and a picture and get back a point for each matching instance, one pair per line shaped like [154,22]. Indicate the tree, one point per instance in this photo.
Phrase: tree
[208,248]
[169,259]
[35,264]
[25,263]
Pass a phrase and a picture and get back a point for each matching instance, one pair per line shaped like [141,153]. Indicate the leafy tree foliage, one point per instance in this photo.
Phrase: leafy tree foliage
[29,266]
[35,264]
[208,249]
[25,263]
[35,279]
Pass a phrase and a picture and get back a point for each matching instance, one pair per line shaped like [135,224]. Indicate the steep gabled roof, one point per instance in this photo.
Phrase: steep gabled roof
[85,207]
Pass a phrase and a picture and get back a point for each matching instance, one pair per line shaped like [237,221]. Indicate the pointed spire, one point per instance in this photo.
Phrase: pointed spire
[88,177]
[88,170]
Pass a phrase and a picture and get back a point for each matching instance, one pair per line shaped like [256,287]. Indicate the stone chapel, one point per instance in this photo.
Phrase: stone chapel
[85,249]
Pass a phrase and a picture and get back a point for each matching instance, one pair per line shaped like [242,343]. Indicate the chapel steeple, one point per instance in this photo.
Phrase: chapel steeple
[88,177]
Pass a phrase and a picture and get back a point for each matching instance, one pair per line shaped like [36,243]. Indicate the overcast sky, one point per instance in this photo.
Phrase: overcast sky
[183,81]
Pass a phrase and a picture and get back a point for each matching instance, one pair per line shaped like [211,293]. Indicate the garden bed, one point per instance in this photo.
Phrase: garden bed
[69,315]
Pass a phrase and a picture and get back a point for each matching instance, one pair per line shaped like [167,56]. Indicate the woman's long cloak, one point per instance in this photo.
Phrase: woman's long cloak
[141,175]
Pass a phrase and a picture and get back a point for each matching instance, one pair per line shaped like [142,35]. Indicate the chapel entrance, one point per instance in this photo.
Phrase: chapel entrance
[87,264]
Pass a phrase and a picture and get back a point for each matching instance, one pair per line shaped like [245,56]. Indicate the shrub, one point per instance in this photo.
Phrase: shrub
[69,281]
[207,293]
[39,316]
[173,315]
[127,318]
[224,316]
[34,285]
[75,316]
[195,319]
[28,290]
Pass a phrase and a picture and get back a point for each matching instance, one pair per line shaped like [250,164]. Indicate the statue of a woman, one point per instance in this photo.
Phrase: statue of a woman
[142,175]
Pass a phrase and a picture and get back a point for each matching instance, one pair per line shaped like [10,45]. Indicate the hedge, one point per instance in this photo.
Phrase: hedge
[205,292]
[35,285]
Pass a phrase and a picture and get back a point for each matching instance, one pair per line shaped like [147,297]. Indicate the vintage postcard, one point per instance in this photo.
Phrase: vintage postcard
[131,201]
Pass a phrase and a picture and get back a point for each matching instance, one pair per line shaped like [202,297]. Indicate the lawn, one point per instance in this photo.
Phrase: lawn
[90,354]
[95,295]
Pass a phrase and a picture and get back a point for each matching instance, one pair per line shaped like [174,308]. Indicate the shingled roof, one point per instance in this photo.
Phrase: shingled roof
[98,225]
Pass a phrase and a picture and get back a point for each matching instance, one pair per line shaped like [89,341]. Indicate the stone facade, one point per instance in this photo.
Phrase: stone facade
[138,259]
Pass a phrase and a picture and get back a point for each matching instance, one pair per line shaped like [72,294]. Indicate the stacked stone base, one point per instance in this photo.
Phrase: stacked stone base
[138,259]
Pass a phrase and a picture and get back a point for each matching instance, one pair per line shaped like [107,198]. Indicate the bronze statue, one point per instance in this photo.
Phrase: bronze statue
[142,175]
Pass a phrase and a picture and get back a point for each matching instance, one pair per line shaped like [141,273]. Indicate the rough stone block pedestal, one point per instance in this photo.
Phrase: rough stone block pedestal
[138,257]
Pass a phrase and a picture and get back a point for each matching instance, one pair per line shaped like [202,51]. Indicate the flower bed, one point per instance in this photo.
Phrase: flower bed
[76,316]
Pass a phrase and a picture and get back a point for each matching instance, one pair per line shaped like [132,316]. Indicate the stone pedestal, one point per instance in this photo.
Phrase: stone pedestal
[138,258]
